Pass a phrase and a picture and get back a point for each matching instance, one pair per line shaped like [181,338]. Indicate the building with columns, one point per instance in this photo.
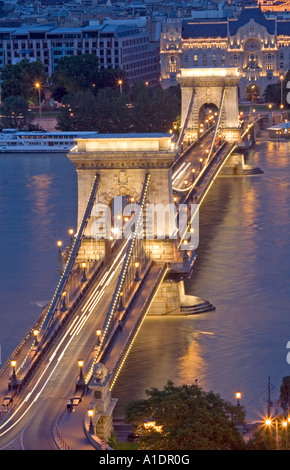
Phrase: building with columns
[258,46]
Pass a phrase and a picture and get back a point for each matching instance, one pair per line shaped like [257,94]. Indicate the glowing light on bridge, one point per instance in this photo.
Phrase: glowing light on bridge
[210,72]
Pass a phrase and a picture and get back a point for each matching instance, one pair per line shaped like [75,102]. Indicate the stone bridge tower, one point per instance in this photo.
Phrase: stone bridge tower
[122,162]
[210,85]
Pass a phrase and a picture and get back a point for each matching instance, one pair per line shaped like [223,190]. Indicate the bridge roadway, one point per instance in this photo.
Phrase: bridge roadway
[30,421]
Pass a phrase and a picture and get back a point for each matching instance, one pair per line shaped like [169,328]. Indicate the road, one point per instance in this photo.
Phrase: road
[55,380]
[190,166]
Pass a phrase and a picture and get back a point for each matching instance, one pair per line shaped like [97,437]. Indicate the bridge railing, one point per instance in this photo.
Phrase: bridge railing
[134,331]
[107,345]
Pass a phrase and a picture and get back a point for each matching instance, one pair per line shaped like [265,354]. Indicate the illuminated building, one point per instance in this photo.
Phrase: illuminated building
[258,46]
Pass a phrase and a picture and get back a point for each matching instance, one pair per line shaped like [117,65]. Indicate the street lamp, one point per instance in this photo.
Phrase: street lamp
[59,257]
[238,396]
[63,307]
[84,277]
[91,427]
[137,278]
[13,365]
[269,422]
[38,87]
[35,334]
[98,333]
[120,83]
[81,381]
[200,163]
[281,80]
[121,305]
[13,379]
[71,232]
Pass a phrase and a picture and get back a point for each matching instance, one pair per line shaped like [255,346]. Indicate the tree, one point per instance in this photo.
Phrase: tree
[75,73]
[110,111]
[186,418]
[78,112]
[272,93]
[20,80]
[82,73]
[15,113]
[284,398]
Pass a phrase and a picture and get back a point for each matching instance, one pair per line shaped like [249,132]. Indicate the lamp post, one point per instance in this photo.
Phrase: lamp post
[59,257]
[81,381]
[91,426]
[98,333]
[269,422]
[71,232]
[120,83]
[285,426]
[35,334]
[63,307]
[38,87]
[13,379]
[238,396]
[137,277]
[84,277]
[121,305]
[281,80]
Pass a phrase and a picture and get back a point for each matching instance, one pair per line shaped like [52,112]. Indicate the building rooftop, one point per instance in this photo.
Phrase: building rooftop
[252,13]
[204,29]
[213,28]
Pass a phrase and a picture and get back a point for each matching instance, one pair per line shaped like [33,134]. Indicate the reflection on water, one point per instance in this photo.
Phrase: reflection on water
[242,268]
[38,198]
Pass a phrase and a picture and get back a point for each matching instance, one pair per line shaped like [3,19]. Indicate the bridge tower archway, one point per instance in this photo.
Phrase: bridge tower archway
[122,162]
[210,85]
[207,116]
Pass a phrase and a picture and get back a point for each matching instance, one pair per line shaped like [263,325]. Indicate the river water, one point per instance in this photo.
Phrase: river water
[242,268]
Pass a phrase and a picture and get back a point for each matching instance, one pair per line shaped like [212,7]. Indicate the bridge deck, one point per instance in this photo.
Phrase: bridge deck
[127,333]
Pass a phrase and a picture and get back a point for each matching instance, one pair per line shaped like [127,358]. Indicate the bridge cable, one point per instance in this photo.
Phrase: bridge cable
[186,121]
[127,260]
[72,255]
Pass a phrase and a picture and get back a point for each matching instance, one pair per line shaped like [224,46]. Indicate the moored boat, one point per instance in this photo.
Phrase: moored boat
[13,140]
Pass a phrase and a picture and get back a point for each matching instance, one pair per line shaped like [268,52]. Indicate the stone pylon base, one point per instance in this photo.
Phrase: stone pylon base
[172,300]
[234,165]
[101,402]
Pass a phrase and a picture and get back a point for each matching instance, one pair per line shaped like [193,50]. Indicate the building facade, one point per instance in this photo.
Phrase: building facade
[258,46]
[120,46]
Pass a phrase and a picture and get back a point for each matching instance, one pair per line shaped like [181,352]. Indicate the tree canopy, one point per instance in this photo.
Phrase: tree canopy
[15,113]
[82,73]
[20,80]
[186,418]
[112,111]
[272,93]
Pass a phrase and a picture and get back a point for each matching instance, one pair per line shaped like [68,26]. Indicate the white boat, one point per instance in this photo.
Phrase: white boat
[13,140]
